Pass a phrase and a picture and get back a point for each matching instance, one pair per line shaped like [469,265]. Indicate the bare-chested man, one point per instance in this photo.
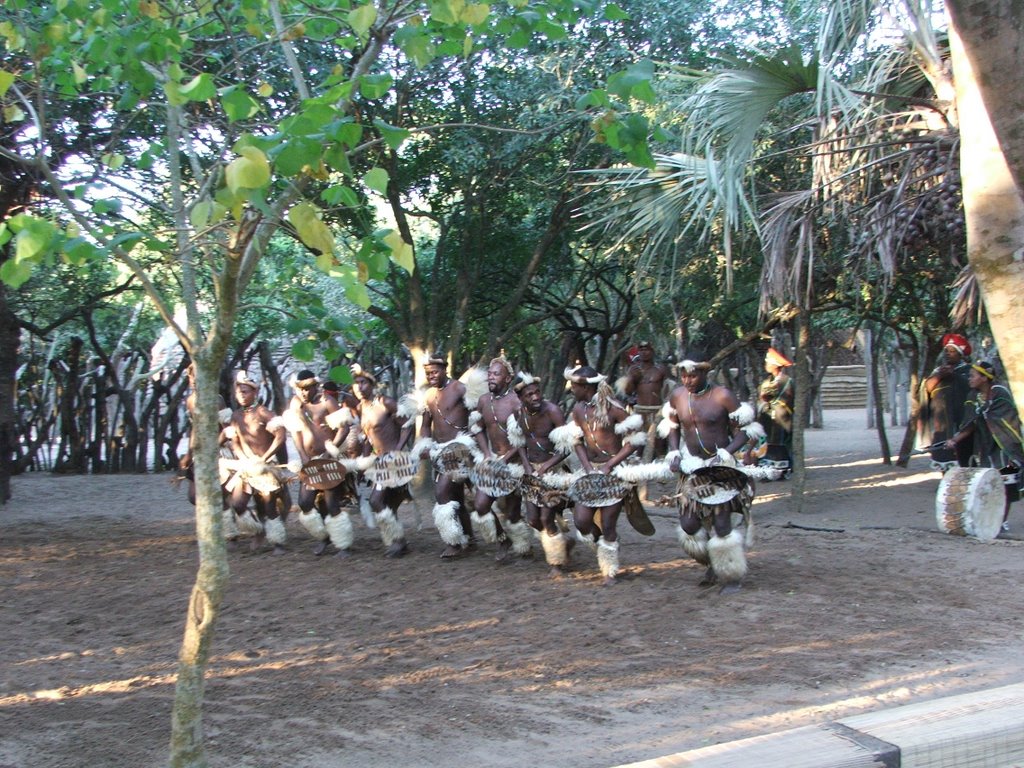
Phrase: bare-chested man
[321,511]
[599,433]
[644,389]
[536,421]
[255,434]
[386,428]
[490,426]
[705,425]
[445,425]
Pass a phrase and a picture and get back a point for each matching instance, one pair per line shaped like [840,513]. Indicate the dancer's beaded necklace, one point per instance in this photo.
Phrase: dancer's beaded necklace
[696,429]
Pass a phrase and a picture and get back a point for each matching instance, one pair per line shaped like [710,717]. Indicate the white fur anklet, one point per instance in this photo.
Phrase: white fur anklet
[608,557]
[446,520]
[727,557]
[556,548]
[314,524]
[391,528]
[339,530]
[485,524]
[276,534]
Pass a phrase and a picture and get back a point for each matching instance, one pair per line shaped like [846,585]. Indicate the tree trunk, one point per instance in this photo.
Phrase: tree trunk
[801,406]
[10,334]
[993,207]
[187,743]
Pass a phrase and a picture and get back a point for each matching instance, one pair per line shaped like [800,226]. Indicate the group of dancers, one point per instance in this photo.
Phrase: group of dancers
[507,464]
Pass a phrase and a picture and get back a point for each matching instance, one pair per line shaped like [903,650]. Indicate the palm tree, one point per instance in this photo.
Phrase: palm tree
[867,133]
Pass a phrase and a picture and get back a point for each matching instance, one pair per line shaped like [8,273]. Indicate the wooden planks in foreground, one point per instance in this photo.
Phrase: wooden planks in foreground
[984,729]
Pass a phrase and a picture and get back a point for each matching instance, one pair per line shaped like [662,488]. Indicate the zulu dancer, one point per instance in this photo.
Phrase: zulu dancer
[602,434]
[705,424]
[386,427]
[445,428]
[490,425]
[255,434]
[536,421]
[320,510]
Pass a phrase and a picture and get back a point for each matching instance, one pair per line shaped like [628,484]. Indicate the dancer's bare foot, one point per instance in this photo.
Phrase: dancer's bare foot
[504,550]
[397,549]
[321,548]
[453,552]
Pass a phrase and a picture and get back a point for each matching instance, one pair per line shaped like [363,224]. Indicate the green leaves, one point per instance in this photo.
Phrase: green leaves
[362,18]
[250,171]
[310,229]
[34,239]
[377,179]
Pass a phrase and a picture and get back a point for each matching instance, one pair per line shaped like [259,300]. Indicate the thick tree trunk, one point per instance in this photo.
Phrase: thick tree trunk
[187,742]
[993,207]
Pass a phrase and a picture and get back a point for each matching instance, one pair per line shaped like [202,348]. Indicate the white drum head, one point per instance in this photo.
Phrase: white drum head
[970,502]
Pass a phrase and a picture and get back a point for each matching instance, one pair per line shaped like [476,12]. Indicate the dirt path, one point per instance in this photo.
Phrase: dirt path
[419,662]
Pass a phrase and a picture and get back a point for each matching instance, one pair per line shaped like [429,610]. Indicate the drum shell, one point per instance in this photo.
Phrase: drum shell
[970,502]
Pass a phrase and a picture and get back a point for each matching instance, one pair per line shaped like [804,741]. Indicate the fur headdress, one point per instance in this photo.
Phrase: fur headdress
[690,366]
[243,377]
[358,372]
[303,380]
[436,359]
[524,380]
[500,360]
[604,397]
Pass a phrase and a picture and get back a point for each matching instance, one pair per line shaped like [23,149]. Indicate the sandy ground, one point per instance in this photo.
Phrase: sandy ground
[419,662]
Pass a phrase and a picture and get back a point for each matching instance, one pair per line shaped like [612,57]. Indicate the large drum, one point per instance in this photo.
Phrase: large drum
[970,502]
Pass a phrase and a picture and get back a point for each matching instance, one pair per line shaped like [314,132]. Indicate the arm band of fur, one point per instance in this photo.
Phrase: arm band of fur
[754,430]
[743,415]
[565,438]
[408,407]
[637,439]
[224,415]
[629,424]
[292,421]
[421,445]
[339,418]
[475,418]
[516,438]
[275,424]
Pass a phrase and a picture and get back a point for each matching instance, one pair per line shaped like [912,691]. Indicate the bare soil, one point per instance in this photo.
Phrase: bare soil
[856,604]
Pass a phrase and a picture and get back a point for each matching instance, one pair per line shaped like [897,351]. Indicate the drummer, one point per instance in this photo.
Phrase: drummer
[991,419]
[601,434]
[489,424]
[386,428]
[445,422]
[255,434]
[706,424]
[321,511]
[537,419]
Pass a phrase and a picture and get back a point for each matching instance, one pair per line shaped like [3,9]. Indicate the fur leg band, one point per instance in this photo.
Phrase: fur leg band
[391,528]
[446,520]
[248,523]
[485,525]
[556,548]
[228,524]
[695,546]
[521,536]
[727,557]
[608,557]
[314,524]
[339,529]
[276,534]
